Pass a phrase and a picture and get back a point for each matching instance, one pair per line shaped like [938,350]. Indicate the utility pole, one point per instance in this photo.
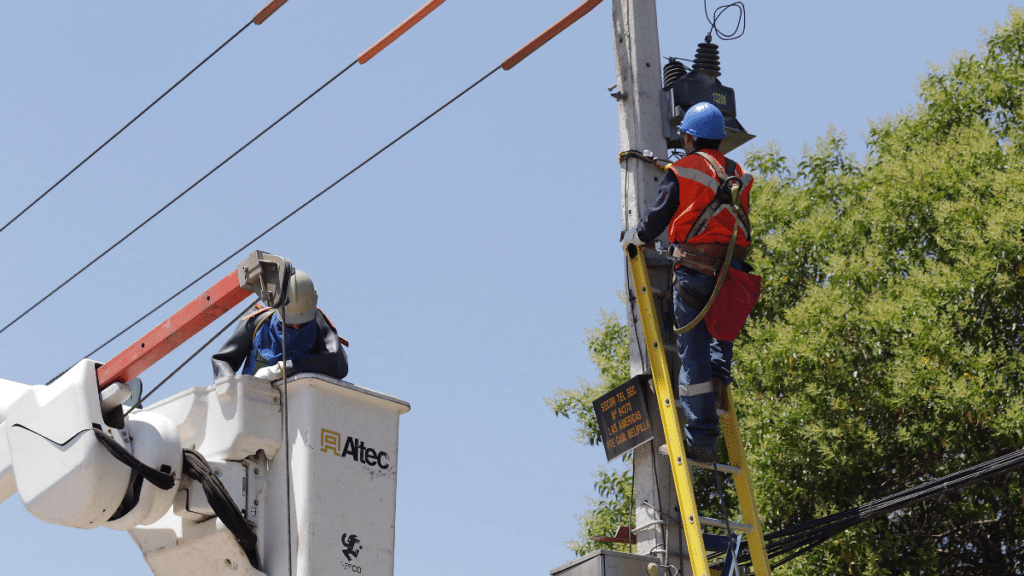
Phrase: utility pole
[638,91]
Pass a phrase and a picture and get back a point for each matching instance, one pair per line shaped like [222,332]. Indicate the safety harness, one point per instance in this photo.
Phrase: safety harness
[728,317]
[723,199]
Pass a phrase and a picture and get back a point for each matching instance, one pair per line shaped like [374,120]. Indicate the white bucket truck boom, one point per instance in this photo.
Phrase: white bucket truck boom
[245,477]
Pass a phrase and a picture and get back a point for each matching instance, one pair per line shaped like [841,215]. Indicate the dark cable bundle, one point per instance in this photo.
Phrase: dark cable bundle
[198,469]
[802,538]
[159,478]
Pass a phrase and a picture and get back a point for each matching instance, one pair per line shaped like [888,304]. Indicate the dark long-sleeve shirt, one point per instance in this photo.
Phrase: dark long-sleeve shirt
[662,211]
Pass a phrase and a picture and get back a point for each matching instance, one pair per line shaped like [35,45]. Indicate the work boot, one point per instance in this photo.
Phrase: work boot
[702,456]
[719,386]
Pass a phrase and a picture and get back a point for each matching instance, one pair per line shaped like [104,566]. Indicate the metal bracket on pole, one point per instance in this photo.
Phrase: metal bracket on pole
[267,276]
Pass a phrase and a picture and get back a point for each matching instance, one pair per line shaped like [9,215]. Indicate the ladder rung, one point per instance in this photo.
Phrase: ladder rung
[663,450]
[721,467]
[746,528]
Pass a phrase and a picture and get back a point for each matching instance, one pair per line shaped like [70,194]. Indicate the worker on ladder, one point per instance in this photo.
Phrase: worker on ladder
[702,226]
[312,342]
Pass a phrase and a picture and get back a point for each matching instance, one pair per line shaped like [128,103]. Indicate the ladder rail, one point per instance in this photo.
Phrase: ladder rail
[652,335]
[744,488]
[680,467]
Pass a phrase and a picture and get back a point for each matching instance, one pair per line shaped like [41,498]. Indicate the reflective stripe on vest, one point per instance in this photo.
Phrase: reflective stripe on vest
[723,198]
[715,227]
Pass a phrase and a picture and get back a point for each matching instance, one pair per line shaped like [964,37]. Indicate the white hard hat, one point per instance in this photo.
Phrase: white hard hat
[300,307]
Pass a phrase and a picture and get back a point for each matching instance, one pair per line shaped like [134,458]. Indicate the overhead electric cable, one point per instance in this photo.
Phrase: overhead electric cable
[803,538]
[363,58]
[508,64]
[257,20]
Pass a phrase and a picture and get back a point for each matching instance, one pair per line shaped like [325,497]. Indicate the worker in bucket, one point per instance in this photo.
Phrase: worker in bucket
[703,202]
[312,342]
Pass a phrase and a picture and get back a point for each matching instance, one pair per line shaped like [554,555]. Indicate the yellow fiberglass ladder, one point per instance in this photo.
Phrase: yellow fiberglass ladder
[692,521]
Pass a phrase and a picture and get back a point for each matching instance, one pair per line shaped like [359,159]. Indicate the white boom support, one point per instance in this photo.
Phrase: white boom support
[9,393]
[62,471]
[326,508]
[311,465]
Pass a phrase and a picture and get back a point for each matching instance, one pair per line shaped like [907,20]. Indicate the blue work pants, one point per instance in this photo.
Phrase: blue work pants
[702,358]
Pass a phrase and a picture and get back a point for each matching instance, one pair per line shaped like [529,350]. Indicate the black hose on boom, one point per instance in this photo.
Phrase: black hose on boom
[197,468]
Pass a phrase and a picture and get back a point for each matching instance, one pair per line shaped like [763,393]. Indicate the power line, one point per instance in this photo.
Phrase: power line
[173,200]
[290,214]
[123,128]
[362,59]
[507,64]
[260,18]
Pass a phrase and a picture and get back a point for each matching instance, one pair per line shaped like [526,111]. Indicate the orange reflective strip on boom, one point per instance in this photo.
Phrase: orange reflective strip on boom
[173,332]
[550,33]
[398,31]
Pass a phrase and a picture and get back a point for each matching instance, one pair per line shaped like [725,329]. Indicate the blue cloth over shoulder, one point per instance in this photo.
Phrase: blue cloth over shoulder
[267,343]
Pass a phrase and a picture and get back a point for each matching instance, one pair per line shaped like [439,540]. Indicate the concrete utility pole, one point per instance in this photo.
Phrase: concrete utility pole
[638,90]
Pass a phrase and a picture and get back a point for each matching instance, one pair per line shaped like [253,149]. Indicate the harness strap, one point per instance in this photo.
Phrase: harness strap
[723,198]
[705,258]
[686,296]
[335,328]
[262,320]
[705,266]
[718,283]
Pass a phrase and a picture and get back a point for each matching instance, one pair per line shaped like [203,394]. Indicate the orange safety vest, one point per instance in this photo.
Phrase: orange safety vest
[698,185]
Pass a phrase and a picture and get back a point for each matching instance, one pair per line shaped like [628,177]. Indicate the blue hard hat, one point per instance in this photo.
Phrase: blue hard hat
[703,120]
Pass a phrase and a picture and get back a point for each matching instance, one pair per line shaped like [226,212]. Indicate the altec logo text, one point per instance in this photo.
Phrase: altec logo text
[330,441]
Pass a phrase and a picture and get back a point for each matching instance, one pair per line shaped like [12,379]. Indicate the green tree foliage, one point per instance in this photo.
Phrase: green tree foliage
[886,349]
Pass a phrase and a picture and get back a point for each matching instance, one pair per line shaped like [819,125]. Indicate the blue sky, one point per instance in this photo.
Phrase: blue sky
[463,264]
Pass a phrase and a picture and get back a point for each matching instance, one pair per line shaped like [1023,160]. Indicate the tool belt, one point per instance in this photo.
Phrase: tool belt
[736,296]
[704,258]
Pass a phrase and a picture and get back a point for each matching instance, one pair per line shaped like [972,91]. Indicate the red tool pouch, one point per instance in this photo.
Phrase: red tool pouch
[734,303]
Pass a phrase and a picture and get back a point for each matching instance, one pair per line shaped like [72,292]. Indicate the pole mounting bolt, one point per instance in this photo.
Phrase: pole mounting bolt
[620,96]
